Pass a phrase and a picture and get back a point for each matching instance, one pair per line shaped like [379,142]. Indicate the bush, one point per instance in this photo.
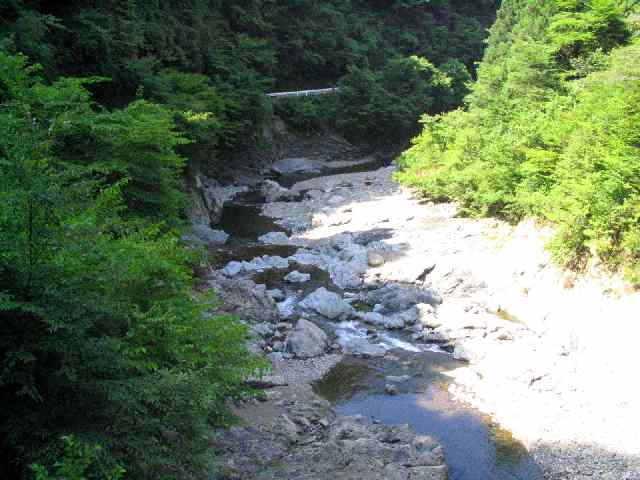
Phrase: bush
[386,105]
[101,333]
[539,140]
[307,115]
[79,462]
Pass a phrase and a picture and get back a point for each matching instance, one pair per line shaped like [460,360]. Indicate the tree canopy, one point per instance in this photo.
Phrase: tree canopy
[111,363]
[550,130]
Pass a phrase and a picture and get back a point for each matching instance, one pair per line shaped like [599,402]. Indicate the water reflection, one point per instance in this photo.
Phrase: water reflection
[475,447]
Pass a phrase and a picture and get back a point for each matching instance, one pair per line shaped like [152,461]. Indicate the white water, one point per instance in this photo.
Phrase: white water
[287,307]
[352,332]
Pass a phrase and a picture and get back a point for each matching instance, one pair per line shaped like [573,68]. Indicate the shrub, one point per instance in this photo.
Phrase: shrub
[79,462]
[386,105]
[538,139]
[101,333]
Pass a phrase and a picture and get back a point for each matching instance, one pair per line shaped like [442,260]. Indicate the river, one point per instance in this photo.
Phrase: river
[408,384]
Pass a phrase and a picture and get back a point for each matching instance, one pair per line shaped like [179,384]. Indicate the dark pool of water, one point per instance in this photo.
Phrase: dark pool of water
[242,219]
[274,278]
[246,223]
[475,447]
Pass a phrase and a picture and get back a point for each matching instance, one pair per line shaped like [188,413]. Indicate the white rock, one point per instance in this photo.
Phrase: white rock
[266,262]
[339,219]
[232,269]
[319,219]
[273,191]
[361,347]
[374,259]
[306,340]
[305,257]
[372,318]
[427,315]
[277,294]
[297,277]
[390,322]
[335,200]
[274,238]
[348,267]
[328,304]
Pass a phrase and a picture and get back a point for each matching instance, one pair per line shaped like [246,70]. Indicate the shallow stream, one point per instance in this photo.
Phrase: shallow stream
[417,392]
[475,447]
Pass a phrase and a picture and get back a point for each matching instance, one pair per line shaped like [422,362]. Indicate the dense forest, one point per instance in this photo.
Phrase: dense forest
[551,129]
[110,361]
[219,56]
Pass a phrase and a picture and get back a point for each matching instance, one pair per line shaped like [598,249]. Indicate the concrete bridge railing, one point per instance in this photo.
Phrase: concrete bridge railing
[303,93]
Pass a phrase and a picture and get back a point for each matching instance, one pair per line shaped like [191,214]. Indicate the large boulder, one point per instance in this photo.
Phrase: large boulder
[258,264]
[306,340]
[308,259]
[209,198]
[274,238]
[232,268]
[396,321]
[348,265]
[274,192]
[327,304]
[295,165]
[345,261]
[203,233]
[361,347]
[394,298]
[242,297]
[297,277]
[214,203]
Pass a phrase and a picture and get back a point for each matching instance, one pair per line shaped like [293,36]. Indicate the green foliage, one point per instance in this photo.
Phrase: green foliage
[196,104]
[79,462]
[307,115]
[137,143]
[386,105]
[538,139]
[101,334]
[582,27]
[216,58]
[601,142]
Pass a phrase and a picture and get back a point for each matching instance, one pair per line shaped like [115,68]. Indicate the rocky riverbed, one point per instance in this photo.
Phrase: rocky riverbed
[407,342]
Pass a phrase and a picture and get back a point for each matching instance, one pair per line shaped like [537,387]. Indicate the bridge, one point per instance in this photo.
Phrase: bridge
[303,93]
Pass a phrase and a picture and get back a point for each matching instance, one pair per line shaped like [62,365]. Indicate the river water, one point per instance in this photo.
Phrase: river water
[475,447]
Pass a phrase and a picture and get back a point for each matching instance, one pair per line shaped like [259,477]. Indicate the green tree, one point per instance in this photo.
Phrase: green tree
[550,131]
[101,333]
[386,105]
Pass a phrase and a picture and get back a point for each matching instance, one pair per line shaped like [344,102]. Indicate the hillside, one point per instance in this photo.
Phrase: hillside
[550,130]
[112,358]
[180,255]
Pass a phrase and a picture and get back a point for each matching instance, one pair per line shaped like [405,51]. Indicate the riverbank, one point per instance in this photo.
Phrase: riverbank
[541,358]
